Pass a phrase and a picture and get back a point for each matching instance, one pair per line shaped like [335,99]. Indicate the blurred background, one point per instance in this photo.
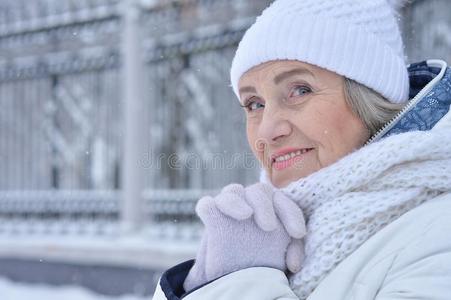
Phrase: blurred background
[115,117]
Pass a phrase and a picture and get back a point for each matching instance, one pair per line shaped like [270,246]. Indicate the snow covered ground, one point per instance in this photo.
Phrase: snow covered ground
[139,250]
[63,253]
[19,291]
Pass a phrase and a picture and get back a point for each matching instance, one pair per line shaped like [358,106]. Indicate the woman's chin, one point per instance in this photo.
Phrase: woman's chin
[282,178]
[280,181]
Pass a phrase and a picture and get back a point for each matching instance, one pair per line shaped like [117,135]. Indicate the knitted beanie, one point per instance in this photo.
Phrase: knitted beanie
[358,39]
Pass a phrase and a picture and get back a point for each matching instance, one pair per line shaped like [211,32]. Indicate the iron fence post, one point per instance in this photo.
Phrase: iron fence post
[134,119]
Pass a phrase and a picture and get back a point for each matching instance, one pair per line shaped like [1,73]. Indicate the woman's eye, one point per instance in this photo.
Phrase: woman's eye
[252,105]
[301,90]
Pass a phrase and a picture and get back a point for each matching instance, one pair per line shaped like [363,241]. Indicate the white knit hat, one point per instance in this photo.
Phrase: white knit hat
[358,39]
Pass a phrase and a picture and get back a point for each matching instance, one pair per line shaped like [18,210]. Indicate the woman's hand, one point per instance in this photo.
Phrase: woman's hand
[234,240]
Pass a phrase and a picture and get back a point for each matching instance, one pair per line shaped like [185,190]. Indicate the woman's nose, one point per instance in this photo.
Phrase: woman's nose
[274,127]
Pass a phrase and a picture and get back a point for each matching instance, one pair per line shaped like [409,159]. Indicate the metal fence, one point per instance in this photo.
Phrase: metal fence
[96,213]
[59,95]
[62,130]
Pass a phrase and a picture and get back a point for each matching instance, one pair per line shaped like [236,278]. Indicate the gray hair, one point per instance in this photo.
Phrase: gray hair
[370,106]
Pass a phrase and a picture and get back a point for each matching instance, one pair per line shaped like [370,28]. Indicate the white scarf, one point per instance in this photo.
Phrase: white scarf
[351,200]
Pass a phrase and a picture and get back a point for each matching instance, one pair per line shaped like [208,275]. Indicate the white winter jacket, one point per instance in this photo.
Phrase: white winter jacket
[408,259]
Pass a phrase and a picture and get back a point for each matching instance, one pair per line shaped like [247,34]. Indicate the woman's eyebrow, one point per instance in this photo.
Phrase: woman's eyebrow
[247,89]
[282,76]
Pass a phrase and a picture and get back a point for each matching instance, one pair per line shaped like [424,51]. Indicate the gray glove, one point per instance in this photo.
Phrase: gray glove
[233,240]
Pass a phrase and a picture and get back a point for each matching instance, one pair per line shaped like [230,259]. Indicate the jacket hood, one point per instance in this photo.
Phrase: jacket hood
[430,94]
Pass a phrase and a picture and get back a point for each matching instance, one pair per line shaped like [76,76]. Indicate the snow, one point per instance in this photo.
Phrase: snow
[22,291]
[128,250]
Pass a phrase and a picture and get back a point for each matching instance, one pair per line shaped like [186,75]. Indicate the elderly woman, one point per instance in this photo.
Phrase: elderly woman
[355,194]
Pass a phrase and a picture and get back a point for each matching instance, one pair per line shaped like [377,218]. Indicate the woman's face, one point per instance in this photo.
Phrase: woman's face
[298,120]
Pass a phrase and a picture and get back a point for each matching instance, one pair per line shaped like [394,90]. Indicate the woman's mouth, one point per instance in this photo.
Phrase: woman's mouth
[285,159]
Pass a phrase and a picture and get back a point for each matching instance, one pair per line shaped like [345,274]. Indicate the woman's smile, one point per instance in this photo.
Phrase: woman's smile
[287,157]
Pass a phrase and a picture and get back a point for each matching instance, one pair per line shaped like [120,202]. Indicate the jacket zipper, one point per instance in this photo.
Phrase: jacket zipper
[426,89]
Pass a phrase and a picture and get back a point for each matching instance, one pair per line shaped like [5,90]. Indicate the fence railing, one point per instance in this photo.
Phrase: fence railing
[63,125]
[169,214]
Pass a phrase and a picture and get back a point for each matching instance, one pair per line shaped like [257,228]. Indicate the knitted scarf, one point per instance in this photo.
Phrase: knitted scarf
[351,200]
